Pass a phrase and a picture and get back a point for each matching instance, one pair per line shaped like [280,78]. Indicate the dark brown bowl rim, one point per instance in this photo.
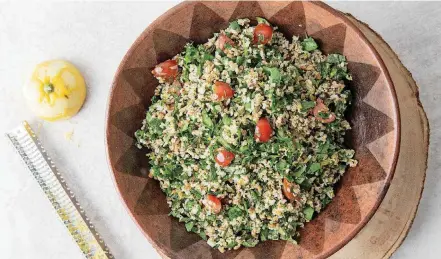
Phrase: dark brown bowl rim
[383,69]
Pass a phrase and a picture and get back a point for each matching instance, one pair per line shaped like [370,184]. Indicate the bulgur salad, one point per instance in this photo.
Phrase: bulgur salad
[245,134]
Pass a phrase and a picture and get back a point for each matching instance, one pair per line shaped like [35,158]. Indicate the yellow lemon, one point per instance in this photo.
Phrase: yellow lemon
[56,90]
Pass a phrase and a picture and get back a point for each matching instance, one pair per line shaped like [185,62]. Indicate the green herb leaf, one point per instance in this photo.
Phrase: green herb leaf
[281,166]
[240,60]
[324,115]
[299,171]
[234,25]
[250,242]
[234,212]
[309,44]
[260,39]
[203,235]
[185,76]
[225,144]
[207,120]
[324,69]
[314,167]
[190,53]
[189,204]
[264,234]
[226,120]
[262,20]
[325,201]
[196,194]
[255,196]
[333,72]
[300,179]
[273,235]
[274,74]
[208,56]
[324,147]
[335,58]
[189,225]
[307,105]
[231,244]
[155,125]
[248,107]
[308,212]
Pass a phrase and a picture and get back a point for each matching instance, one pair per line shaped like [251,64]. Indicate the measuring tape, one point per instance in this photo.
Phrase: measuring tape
[54,186]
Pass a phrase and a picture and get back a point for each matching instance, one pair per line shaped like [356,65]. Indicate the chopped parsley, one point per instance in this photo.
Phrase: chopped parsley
[245,201]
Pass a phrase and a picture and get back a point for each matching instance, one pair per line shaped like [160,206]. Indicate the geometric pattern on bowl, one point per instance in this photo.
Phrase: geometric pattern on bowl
[374,119]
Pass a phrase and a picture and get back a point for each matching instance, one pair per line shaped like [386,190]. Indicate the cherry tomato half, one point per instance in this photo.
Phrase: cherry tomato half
[222,41]
[213,203]
[287,187]
[224,158]
[262,33]
[263,130]
[166,69]
[223,90]
[321,107]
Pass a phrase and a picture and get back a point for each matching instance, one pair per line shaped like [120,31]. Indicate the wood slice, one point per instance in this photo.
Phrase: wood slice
[389,226]
[375,135]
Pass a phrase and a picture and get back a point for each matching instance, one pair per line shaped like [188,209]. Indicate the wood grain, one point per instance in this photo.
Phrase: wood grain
[389,226]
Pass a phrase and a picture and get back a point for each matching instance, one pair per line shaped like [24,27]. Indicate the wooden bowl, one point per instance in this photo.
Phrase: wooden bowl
[374,118]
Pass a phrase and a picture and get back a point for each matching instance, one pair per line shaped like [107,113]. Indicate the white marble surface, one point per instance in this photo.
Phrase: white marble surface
[95,36]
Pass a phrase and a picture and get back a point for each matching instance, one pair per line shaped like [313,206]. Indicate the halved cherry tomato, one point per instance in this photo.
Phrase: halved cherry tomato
[262,33]
[166,69]
[263,130]
[287,187]
[223,90]
[213,203]
[224,158]
[321,107]
[222,41]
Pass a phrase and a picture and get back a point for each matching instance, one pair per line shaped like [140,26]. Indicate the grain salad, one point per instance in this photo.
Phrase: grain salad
[245,134]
